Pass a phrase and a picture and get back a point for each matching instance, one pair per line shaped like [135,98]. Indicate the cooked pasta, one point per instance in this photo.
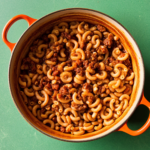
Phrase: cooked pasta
[77,78]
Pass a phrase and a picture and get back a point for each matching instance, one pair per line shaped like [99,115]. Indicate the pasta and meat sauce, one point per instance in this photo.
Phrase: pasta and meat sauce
[77,78]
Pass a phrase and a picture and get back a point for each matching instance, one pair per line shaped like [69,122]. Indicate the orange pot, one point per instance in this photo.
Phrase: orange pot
[36,27]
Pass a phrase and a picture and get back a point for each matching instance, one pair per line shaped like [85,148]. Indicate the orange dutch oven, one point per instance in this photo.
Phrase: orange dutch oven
[39,26]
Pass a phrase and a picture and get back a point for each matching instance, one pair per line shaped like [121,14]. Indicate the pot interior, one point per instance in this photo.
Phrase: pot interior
[91,16]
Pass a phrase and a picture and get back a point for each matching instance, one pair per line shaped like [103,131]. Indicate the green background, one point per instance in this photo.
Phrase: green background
[15,132]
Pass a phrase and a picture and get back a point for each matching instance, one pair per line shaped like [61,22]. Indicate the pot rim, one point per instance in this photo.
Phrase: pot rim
[84,139]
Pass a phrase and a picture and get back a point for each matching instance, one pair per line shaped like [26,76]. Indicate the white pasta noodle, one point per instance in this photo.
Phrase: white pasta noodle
[84,36]
[61,99]
[116,52]
[49,122]
[75,56]
[80,29]
[123,56]
[34,109]
[74,97]
[74,25]
[62,53]
[90,77]
[33,58]
[28,93]
[53,37]
[102,76]
[66,77]
[46,99]
[78,50]
[49,55]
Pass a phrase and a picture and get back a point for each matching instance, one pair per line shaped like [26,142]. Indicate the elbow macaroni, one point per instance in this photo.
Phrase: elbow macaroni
[74,81]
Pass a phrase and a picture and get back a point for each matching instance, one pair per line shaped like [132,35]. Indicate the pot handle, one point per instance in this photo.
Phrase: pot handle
[10,23]
[125,128]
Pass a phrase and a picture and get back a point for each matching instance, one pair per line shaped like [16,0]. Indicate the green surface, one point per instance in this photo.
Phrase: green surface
[15,132]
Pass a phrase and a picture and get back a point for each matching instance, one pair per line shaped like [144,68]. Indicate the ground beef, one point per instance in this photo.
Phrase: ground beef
[108,68]
[85,63]
[79,94]
[99,90]
[55,109]
[101,28]
[55,54]
[91,99]
[62,129]
[129,71]
[55,73]
[54,68]
[87,54]
[79,62]
[103,49]
[91,65]
[80,71]
[112,60]
[75,84]
[127,62]
[48,85]
[54,119]
[64,90]
[109,40]
[94,65]
[66,35]
[94,57]
[69,63]
[56,48]
[55,87]
[68,97]
[87,87]
[78,107]
[44,81]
